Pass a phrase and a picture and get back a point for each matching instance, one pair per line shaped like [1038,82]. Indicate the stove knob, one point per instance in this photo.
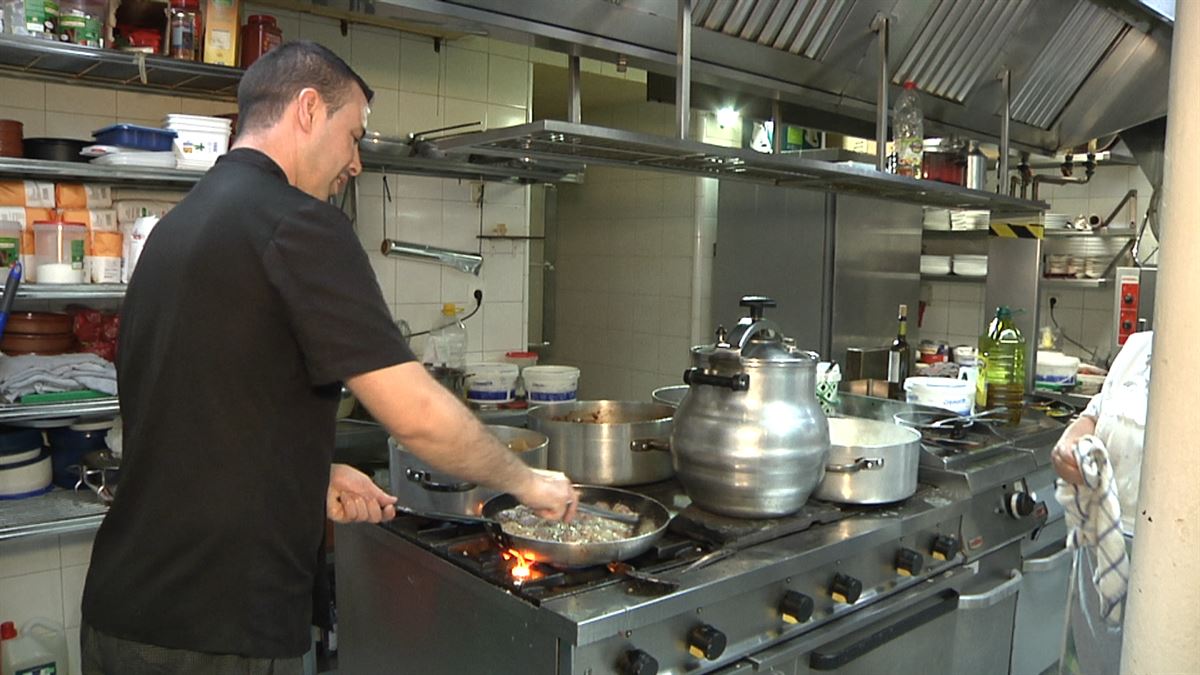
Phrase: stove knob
[706,642]
[637,662]
[845,588]
[1020,504]
[944,547]
[909,562]
[796,607]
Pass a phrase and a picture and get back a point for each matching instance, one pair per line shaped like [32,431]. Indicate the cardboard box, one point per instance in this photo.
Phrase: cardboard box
[221,28]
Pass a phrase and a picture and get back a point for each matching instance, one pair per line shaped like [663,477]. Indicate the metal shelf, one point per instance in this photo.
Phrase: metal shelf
[96,407]
[1105,233]
[55,512]
[556,141]
[69,291]
[955,278]
[1074,283]
[34,169]
[58,61]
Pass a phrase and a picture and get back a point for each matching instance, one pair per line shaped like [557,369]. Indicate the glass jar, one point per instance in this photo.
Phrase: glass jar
[81,22]
[185,30]
[260,35]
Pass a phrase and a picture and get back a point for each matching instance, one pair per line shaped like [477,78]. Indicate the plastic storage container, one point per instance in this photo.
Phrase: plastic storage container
[1001,382]
[551,384]
[199,140]
[1055,370]
[491,382]
[260,35]
[39,648]
[10,245]
[58,252]
[909,131]
[957,396]
[134,136]
[447,344]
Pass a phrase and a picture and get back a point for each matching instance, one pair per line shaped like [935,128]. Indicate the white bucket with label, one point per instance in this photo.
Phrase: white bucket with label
[491,382]
[551,384]
[957,395]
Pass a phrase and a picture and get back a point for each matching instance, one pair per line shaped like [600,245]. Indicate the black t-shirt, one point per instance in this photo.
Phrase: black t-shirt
[250,304]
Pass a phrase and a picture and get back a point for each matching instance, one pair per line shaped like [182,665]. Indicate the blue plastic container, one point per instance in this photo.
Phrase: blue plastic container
[134,136]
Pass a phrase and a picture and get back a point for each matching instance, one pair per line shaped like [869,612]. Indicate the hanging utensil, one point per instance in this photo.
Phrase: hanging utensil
[10,293]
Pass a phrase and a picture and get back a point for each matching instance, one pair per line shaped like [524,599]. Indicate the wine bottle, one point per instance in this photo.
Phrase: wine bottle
[899,358]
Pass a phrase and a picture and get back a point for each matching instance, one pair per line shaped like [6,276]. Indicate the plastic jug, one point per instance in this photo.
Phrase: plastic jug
[39,648]
[447,344]
[1001,382]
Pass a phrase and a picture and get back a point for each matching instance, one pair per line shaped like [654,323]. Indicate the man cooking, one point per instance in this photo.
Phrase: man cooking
[250,306]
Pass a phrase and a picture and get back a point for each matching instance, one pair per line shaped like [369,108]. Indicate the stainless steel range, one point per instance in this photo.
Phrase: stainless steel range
[929,582]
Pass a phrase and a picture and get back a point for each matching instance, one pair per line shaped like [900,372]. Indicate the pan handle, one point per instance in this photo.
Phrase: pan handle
[739,382]
[649,445]
[860,464]
[426,482]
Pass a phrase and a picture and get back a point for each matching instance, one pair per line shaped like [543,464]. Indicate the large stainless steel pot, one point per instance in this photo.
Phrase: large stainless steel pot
[607,442]
[420,487]
[672,395]
[870,462]
[654,517]
[750,439]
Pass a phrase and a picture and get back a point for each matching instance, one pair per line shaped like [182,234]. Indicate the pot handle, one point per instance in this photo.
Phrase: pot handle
[426,482]
[649,444]
[860,464]
[739,382]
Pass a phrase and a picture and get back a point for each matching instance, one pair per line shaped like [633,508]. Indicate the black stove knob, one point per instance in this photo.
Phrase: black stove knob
[909,562]
[637,662]
[1020,504]
[706,642]
[944,547]
[845,588]
[796,607]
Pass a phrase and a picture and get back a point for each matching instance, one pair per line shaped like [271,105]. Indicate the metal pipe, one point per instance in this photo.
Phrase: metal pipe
[462,261]
[776,127]
[1002,166]
[1089,168]
[1160,619]
[683,75]
[574,109]
[880,25]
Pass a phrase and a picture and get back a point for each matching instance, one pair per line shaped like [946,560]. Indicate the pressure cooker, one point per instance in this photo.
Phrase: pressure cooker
[750,439]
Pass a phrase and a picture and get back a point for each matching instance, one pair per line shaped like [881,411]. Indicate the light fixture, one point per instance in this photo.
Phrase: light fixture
[727,116]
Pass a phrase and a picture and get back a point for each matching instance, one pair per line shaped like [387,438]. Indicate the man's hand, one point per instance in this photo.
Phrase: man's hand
[354,498]
[1063,455]
[550,495]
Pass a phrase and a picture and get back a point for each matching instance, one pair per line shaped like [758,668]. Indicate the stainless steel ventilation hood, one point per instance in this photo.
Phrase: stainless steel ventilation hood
[1080,69]
[564,142]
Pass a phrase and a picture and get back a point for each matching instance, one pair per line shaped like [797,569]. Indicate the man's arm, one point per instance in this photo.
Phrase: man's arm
[435,426]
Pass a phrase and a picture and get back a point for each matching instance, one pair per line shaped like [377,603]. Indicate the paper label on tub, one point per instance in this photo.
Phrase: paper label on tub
[39,195]
[10,250]
[77,254]
[552,397]
[43,669]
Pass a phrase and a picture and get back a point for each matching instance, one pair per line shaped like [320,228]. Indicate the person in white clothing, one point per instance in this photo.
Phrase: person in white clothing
[1117,416]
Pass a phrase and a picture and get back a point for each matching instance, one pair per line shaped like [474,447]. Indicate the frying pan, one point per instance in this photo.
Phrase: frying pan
[654,519]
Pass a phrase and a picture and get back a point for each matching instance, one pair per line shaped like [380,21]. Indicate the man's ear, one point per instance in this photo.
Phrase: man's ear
[307,109]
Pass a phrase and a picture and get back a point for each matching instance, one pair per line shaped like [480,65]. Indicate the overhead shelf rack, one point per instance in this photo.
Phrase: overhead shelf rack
[557,141]
[47,59]
[69,291]
[35,169]
[396,155]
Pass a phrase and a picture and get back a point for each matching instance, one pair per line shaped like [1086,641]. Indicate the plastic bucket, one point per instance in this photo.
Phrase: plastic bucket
[199,139]
[491,382]
[551,384]
[957,396]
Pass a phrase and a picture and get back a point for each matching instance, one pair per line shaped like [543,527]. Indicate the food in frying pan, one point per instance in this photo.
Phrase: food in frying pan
[521,521]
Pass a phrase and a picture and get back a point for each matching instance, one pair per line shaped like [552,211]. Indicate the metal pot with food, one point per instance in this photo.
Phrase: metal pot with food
[607,442]
[420,487]
[870,462]
[750,439]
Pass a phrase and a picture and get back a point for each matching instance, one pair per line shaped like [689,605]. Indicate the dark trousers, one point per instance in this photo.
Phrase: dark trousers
[107,655]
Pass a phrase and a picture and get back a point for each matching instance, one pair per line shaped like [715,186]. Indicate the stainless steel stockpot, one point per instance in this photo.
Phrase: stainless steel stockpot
[870,462]
[607,442]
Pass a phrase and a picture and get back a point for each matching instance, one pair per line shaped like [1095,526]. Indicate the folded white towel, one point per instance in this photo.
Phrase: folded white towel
[21,375]
[1093,514]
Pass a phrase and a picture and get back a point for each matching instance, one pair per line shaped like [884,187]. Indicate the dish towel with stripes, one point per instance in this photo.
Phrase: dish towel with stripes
[1094,517]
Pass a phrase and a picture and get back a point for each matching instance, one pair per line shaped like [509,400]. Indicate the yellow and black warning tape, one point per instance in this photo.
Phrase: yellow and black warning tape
[1015,231]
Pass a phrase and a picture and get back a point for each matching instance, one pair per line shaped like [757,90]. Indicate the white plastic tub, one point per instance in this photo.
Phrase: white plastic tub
[198,140]
[491,382]
[1056,369]
[551,384]
[957,396]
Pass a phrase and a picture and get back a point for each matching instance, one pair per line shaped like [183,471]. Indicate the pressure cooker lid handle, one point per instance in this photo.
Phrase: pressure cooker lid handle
[756,304]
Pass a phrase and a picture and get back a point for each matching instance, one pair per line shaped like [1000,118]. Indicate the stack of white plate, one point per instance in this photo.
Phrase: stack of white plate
[970,265]
[935,264]
[937,219]
[162,160]
[964,219]
[1056,221]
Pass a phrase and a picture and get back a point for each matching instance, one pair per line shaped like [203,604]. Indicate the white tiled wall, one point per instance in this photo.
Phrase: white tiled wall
[41,577]
[955,313]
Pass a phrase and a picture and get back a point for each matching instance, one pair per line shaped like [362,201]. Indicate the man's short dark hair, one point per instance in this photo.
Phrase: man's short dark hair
[273,81]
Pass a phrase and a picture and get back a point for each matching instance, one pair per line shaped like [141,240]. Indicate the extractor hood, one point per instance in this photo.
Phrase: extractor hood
[552,141]
[1080,69]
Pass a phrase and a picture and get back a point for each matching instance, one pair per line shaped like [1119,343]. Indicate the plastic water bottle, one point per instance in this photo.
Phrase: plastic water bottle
[1001,382]
[447,345]
[908,131]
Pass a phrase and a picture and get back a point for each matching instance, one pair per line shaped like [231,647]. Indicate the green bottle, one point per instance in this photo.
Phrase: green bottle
[1001,382]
